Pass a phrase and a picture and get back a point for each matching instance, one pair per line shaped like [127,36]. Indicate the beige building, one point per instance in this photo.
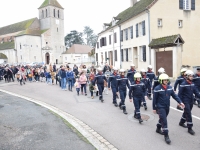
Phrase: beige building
[156,32]
[35,40]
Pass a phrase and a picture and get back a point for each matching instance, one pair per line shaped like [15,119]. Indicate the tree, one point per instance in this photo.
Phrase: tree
[74,37]
[91,38]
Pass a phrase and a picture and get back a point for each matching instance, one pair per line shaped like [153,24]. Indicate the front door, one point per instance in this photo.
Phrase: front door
[47,58]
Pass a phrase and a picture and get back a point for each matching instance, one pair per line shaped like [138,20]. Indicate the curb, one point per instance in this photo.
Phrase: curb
[91,135]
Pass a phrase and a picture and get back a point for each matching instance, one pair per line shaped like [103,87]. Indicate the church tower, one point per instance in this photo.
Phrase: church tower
[51,17]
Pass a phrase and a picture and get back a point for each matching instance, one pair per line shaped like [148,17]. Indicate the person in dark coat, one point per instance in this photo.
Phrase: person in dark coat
[196,81]
[130,73]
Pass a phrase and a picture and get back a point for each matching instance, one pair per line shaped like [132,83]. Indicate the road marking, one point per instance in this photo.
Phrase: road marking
[90,134]
[182,112]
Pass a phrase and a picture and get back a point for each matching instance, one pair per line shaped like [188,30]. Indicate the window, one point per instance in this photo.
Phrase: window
[103,41]
[131,31]
[58,14]
[54,13]
[46,42]
[159,22]
[187,4]
[115,55]
[97,44]
[143,28]
[105,56]
[46,13]
[110,39]
[121,36]
[42,13]
[126,31]
[96,56]
[122,55]
[143,53]
[115,37]
[137,34]
[127,55]
[180,23]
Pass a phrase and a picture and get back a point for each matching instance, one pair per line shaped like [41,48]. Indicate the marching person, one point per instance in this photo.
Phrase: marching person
[186,91]
[147,84]
[122,84]
[137,92]
[161,104]
[131,72]
[196,81]
[151,75]
[156,81]
[178,82]
[100,78]
[113,81]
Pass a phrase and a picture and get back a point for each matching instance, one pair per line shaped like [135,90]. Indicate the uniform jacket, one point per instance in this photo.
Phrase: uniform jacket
[137,90]
[179,80]
[122,83]
[186,92]
[156,82]
[113,81]
[161,97]
[196,81]
[146,82]
[130,75]
[151,75]
[99,78]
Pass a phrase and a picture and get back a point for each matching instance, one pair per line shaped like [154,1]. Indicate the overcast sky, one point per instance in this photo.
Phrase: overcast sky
[78,13]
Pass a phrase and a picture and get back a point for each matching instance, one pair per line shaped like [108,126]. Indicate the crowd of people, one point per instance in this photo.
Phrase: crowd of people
[138,85]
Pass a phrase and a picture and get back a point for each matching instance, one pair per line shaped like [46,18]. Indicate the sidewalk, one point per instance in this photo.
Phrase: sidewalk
[27,126]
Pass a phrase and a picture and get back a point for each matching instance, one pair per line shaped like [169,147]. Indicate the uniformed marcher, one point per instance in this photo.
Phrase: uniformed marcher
[151,75]
[130,73]
[147,84]
[137,92]
[113,83]
[122,84]
[186,91]
[99,79]
[161,104]
[196,81]
[156,81]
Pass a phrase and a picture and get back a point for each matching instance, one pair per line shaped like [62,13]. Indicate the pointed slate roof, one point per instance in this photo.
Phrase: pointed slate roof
[167,41]
[50,3]
[20,26]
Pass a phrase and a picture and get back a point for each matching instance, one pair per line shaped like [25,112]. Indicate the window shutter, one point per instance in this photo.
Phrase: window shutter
[126,54]
[100,42]
[96,56]
[115,55]
[121,37]
[192,4]
[109,39]
[105,42]
[122,56]
[143,27]
[115,37]
[180,4]
[137,30]
[132,32]
[144,53]
[97,44]
[105,56]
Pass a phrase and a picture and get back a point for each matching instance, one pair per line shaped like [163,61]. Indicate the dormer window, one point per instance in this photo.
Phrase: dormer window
[113,22]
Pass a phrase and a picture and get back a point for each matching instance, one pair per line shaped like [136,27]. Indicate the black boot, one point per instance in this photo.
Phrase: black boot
[167,140]
[116,105]
[120,105]
[140,120]
[191,131]
[158,130]
[182,125]
[102,99]
[145,107]
[124,110]
[179,108]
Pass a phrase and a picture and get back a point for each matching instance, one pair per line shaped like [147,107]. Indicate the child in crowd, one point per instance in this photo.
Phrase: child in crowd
[91,88]
[48,76]
[78,86]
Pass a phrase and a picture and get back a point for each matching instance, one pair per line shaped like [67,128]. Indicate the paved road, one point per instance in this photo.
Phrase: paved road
[120,130]
[26,126]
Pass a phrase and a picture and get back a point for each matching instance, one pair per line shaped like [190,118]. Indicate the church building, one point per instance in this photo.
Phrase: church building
[35,40]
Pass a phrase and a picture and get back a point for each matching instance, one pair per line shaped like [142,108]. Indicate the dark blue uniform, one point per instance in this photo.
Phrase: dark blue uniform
[99,79]
[130,75]
[147,84]
[151,75]
[186,92]
[196,81]
[122,83]
[178,82]
[113,81]
[161,103]
[156,82]
[137,92]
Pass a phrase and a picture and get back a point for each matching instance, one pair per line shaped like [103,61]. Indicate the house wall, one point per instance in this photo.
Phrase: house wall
[30,50]
[169,12]
[134,45]
[11,55]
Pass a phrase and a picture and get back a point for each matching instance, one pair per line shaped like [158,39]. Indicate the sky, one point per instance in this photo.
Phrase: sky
[78,13]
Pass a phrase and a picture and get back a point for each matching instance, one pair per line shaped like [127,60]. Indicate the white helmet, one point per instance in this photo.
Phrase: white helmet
[150,67]
[183,70]
[99,69]
[121,70]
[142,70]
[132,65]
[115,68]
[189,73]
[161,70]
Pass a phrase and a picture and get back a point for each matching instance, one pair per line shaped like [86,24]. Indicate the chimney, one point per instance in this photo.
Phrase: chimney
[132,2]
